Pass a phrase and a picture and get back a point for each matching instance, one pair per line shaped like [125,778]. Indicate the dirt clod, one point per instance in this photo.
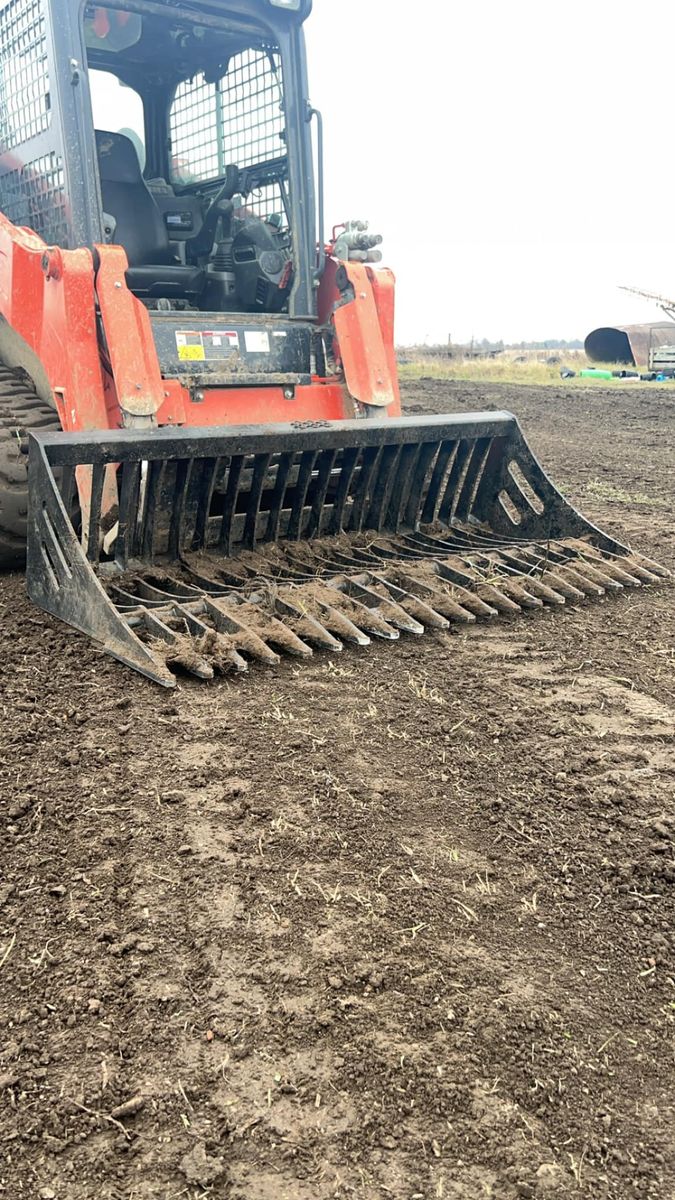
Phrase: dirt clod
[172,797]
[199,1168]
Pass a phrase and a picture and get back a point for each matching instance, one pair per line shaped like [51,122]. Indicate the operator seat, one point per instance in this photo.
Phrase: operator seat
[153,268]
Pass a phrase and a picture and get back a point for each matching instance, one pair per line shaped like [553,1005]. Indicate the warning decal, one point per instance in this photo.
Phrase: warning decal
[257,341]
[194,345]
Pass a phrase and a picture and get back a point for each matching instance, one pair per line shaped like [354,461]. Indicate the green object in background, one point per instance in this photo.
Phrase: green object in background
[592,373]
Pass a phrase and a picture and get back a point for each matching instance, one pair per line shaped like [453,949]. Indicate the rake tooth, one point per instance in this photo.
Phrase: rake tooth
[274,630]
[369,619]
[464,613]
[318,601]
[536,586]
[461,589]
[635,567]
[632,561]
[582,582]
[496,599]
[617,568]
[516,590]
[440,601]
[425,614]
[225,615]
[609,566]
[341,625]
[415,607]
[473,604]
[467,611]
[359,587]
[216,648]
[530,584]
[557,581]
[180,650]
[306,625]
[584,567]
[546,584]
[648,564]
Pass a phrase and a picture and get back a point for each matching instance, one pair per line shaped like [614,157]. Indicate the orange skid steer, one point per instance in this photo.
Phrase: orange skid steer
[219,471]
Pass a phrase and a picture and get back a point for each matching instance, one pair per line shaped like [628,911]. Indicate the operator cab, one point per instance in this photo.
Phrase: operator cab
[134,221]
[192,151]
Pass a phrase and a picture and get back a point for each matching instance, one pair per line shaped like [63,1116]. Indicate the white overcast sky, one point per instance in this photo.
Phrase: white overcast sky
[517,156]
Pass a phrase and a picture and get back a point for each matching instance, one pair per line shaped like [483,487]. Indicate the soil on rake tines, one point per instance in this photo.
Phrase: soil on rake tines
[395,923]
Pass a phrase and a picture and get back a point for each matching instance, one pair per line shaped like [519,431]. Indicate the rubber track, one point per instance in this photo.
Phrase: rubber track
[20,411]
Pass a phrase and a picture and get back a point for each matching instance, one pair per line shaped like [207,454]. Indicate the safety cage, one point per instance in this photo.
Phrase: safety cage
[211,81]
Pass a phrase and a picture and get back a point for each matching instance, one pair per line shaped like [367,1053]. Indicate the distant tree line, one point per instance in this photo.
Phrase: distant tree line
[483,346]
[551,344]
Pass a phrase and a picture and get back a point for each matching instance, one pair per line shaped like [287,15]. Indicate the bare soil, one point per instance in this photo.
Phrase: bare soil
[397,923]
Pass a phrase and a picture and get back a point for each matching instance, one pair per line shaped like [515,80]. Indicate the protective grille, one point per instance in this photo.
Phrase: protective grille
[267,201]
[24,80]
[239,120]
[34,196]
[251,102]
[196,153]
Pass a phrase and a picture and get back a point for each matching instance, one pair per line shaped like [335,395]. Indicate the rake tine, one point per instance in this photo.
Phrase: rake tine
[182,653]
[552,578]
[648,564]
[306,626]
[440,601]
[411,604]
[275,631]
[635,562]
[495,598]
[615,570]
[217,645]
[619,567]
[181,591]
[535,586]
[515,590]
[636,568]
[369,618]
[315,604]
[358,587]
[596,575]
[243,637]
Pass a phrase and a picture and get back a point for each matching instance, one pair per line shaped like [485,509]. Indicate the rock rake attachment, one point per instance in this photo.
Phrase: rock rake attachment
[238,545]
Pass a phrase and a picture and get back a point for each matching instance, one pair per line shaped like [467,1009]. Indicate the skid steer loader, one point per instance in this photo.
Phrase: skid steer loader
[218,468]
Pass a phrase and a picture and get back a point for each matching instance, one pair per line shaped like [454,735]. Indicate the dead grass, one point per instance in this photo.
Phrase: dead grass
[505,368]
[614,495]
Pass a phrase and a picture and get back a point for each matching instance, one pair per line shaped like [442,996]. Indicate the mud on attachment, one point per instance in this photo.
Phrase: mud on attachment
[232,546]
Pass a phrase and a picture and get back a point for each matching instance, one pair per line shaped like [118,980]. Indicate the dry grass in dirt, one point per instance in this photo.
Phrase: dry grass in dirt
[395,924]
[515,368]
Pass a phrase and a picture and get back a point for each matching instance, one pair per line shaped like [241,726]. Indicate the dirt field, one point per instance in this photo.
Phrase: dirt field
[394,925]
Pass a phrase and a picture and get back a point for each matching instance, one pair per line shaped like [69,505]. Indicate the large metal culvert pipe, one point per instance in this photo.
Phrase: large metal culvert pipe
[609,344]
[628,344]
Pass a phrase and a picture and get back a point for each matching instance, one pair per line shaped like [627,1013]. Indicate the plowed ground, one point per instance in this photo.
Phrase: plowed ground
[395,924]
